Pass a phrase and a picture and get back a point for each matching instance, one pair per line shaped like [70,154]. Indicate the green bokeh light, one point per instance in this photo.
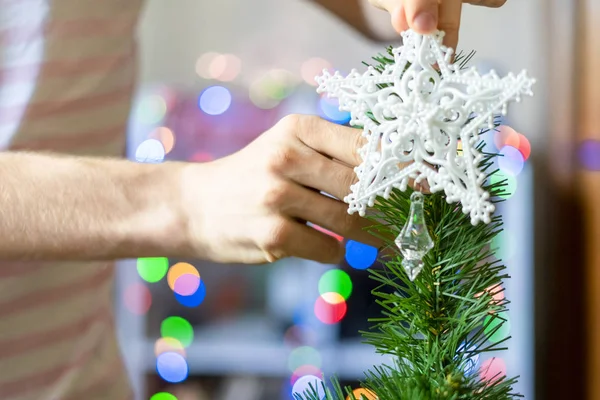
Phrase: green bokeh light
[337,281]
[163,396]
[503,245]
[152,269]
[503,332]
[151,109]
[510,186]
[177,328]
[304,355]
[278,84]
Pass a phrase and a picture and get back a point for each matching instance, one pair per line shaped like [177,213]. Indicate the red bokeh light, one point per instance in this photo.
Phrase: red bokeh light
[330,312]
[137,298]
[304,370]
[201,157]
[524,146]
[492,369]
[506,136]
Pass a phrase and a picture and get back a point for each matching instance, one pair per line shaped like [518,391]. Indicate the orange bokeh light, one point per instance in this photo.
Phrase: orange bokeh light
[506,136]
[203,64]
[225,67]
[363,394]
[524,146]
[179,269]
[333,298]
[496,291]
[165,136]
[168,344]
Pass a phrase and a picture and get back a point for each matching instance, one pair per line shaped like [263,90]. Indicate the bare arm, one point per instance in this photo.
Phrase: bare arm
[58,207]
[245,208]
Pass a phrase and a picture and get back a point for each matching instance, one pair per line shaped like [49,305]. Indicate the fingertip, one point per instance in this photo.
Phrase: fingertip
[424,22]
[331,251]
[341,252]
[398,17]
[451,40]
[336,254]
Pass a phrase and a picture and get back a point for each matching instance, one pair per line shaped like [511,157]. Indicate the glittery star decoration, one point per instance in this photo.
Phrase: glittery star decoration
[422,117]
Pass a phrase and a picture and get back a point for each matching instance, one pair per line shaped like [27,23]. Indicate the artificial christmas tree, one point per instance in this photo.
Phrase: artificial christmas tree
[422,115]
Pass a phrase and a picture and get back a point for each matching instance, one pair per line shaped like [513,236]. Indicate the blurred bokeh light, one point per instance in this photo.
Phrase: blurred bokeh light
[137,298]
[329,110]
[168,344]
[165,136]
[194,299]
[313,67]
[330,308]
[360,255]
[151,109]
[307,384]
[363,394]
[304,355]
[163,396]
[172,367]
[150,151]
[497,326]
[336,281]
[492,369]
[178,328]
[215,100]
[152,269]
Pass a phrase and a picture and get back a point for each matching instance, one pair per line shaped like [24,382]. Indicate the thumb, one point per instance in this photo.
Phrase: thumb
[422,15]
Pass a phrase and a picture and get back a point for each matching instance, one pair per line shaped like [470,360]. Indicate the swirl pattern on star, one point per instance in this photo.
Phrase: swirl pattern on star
[422,117]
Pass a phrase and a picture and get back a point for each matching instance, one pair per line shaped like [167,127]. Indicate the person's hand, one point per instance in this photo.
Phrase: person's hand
[424,16]
[251,207]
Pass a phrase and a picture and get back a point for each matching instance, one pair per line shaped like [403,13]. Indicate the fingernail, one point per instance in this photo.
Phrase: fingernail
[424,22]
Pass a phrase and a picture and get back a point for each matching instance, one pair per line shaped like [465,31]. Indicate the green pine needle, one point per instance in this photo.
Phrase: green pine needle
[434,325]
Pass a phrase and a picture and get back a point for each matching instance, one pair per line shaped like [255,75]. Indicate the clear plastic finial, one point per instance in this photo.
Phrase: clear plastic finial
[414,240]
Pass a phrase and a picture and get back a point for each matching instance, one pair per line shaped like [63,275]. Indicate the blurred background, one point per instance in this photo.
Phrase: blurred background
[216,74]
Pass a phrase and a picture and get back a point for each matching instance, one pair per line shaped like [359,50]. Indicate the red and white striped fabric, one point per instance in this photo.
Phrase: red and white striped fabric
[67,70]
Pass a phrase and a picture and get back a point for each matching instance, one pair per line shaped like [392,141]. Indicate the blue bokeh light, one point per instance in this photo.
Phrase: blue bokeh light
[470,364]
[329,109]
[304,314]
[307,384]
[512,161]
[195,299]
[172,367]
[215,100]
[150,151]
[359,255]
[287,391]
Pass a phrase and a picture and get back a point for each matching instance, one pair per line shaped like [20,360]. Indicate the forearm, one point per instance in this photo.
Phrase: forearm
[57,207]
